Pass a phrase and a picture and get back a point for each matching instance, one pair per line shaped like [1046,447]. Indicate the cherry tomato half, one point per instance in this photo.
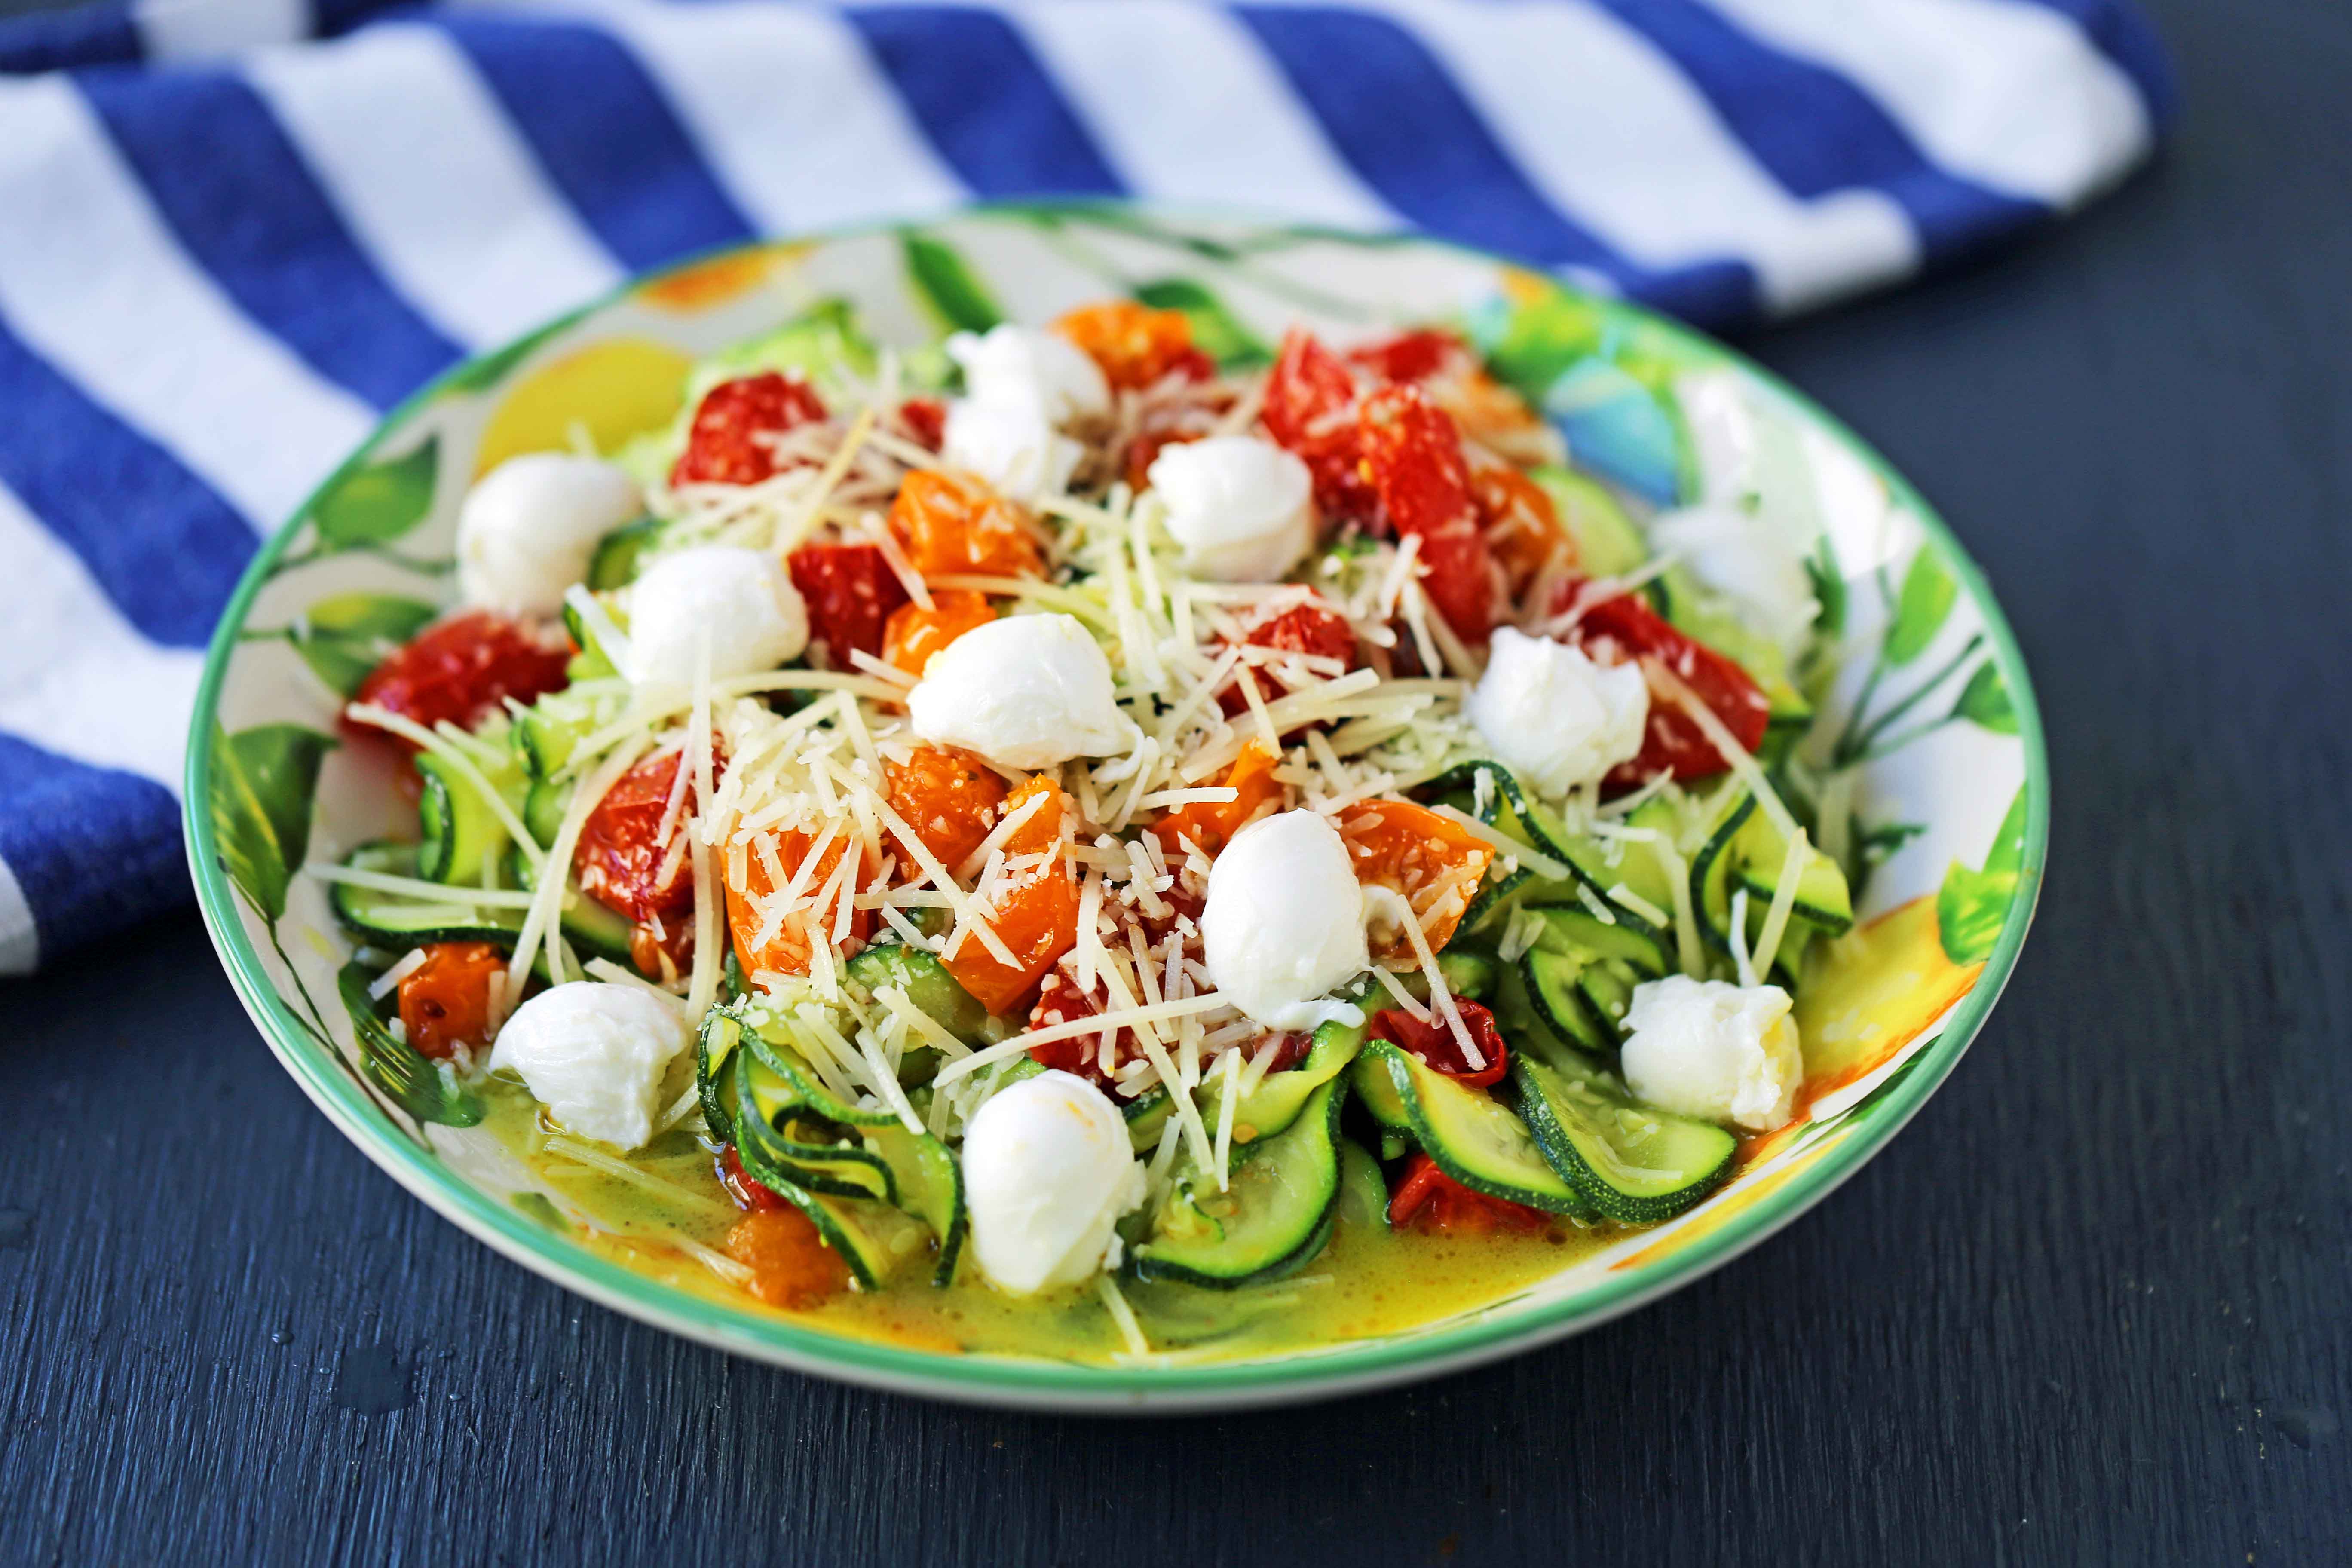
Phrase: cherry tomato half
[1439,1051]
[851,594]
[1426,1198]
[462,670]
[446,1001]
[730,440]
[1311,394]
[622,862]
[1626,627]
[1412,453]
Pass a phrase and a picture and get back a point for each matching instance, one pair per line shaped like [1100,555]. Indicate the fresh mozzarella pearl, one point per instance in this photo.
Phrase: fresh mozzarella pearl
[737,600]
[1242,508]
[1714,1050]
[1555,716]
[1012,446]
[1047,1171]
[1017,366]
[529,527]
[1027,691]
[1747,561]
[594,1054]
[1284,925]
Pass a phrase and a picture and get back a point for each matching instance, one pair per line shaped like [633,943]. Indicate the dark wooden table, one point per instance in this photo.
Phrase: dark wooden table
[2093,1306]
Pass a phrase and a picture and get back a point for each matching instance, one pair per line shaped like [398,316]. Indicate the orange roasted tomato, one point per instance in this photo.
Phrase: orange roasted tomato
[950,798]
[1134,345]
[1210,823]
[950,522]
[1432,860]
[1033,912]
[445,1002]
[1521,524]
[790,1263]
[782,946]
[915,633]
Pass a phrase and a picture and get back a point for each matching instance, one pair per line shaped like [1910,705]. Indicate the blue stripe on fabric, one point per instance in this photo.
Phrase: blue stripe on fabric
[92,850]
[985,103]
[160,544]
[241,200]
[93,34]
[2117,31]
[606,137]
[1814,130]
[1400,121]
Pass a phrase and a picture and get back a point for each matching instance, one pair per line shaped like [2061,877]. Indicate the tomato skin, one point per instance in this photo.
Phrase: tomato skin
[1212,824]
[952,523]
[1412,453]
[948,798]
[463,669]
[724,444]
[915,633]
[787,951]
[791,1265]
[1309,395]
[1313,628]
[747,1193]
[1426,1198]
[1439,1051]
[1414,355]
[851,594]
[926,420]
[1626,627]
[620,861]
[446,1000]
[1134,344]
[1521,524]
[1435,862]
[1035,914]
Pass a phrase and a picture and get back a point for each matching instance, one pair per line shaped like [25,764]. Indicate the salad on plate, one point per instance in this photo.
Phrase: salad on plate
[1051,846]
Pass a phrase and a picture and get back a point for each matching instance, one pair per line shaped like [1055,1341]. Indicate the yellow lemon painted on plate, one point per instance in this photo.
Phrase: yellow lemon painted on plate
[612,390]
[1872,992]
[707,285]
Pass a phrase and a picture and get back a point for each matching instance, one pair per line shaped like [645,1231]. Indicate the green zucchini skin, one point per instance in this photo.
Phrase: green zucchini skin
[460,833]
[1285,1193]
[1632,1162]
[396,922]
[1475,1138]
[930,986]
[615,564]
[1280,1097]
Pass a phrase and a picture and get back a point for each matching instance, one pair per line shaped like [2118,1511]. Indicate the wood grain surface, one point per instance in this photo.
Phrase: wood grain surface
[2090,1307]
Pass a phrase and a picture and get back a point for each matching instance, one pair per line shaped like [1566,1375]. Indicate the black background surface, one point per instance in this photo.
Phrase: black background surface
[2091,1306]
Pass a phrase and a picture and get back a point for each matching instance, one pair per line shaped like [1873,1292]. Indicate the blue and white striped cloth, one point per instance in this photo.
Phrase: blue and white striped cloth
[234,232]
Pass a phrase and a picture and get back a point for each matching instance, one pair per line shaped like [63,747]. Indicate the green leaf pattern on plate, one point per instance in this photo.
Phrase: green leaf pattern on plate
[1971,905]
[1985,701]
[419,1086]
[1216,330]
[947,286]
[345,636]
[378,503]
[1929,592]
[263,780]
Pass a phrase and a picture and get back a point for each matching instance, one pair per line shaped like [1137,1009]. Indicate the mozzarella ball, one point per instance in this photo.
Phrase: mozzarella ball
[1750,563]
[594,1054]
[1047,1171]
[1714,1050]
[1012,446]
[1027,691]
[1552,715]
[527,529]
[1284,925]
[740,600]
[1016,367]
[1242,508]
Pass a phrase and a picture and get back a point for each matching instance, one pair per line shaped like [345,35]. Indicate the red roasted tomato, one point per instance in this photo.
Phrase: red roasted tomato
[621,861]
[1315,629]
[1415,355]
[1428,1199]
[1434,1043]
[1626,627]
[926,419]
[1413,453]
[1308,397]
[728,443]
[462,670]
[851,592]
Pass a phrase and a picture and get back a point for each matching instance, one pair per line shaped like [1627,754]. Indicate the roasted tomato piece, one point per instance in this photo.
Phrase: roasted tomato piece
[445,1002]
[462,670]
[1435,1044]
[747,1193]
[1144,448]
[950,798]
[925,421]
[624,861]
[1313,628]
[1135,344]
[1625,627]
[1061,1000]
[1310,402]
[915,633]
[1413,453]
[1426,1198]
[1414,355]
[1210,823]
[731,439]
[1521,524]
[948,522]
[790,1263]
[1432,860]
[851,594]
[775,936]
[663,949]
[1034,910]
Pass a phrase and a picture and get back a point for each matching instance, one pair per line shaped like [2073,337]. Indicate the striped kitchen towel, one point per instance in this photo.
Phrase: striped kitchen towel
[234,232]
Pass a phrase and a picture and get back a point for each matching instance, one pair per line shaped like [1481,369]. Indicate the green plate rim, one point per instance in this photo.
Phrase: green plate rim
[1001,1380]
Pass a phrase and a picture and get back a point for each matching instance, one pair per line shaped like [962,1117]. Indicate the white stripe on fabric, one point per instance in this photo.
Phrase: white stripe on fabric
[1185,103]
[2009,95]
[435,180]
[106,295]
[1613,132]
[20,939]
[790,111]
[74,678]
[184,30]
